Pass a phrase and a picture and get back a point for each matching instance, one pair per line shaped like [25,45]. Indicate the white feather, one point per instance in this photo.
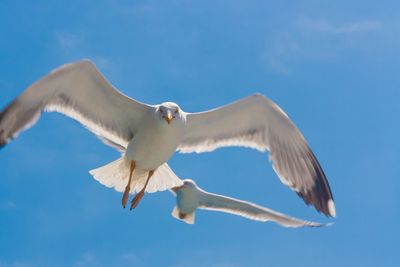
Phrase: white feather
[79,91]
[259,123]
[189,197]
[249,210]
[116,174]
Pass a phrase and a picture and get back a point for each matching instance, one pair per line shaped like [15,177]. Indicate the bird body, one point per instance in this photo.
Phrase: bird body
[188,198]
[155,141]
[152,146]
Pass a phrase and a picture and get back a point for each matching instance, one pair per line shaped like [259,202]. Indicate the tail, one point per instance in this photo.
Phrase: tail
[116,175]
[186,217]
[113,175]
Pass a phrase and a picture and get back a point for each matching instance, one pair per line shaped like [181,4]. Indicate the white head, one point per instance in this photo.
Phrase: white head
[187,184]
[169,111]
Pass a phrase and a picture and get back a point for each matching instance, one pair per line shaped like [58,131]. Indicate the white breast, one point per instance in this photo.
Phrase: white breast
[155,142]
[187,200]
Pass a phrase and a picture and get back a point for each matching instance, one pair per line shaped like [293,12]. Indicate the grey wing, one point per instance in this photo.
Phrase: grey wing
[259,123]
[251,211]
[79,91]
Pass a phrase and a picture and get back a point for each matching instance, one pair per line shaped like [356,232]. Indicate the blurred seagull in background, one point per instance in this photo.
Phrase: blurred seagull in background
[190,197]
[148,135]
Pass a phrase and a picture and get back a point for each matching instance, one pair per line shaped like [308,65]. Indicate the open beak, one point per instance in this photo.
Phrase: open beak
[168,118]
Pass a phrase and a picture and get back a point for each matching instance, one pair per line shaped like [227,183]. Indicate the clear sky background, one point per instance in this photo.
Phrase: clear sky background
[333,66]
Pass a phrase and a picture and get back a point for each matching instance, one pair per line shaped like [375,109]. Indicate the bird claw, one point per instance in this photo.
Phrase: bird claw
[128,186]
[136,200]
[125,197]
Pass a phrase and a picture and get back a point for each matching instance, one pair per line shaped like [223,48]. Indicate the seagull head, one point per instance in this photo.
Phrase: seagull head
[169,111]
[187,184]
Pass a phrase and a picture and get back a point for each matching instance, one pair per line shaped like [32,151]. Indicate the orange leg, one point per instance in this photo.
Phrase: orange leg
[139,196]
[128,186]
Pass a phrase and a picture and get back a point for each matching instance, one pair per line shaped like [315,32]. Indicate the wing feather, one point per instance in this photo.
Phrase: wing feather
[249,210]
[80,91]
[257,122]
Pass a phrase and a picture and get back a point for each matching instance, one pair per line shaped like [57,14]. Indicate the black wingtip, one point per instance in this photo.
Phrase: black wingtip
[327,207]
[3,141]
[320,196]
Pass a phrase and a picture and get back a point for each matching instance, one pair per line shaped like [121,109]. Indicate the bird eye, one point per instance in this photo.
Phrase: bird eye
[161,111]
[176,110]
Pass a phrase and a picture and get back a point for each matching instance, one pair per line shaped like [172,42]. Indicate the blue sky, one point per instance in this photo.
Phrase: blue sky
[331,65]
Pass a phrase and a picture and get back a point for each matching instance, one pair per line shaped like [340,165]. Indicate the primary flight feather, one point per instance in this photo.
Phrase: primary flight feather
[148,135]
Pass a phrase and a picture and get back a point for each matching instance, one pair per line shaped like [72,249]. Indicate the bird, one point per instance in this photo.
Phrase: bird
[190,197]
[148,135]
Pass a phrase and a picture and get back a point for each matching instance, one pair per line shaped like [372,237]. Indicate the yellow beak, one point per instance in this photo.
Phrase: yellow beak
[168,118]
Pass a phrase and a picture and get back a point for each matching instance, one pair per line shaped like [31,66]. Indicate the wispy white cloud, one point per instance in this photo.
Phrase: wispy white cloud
[199,263]
[279,52]
[75,45]
[130,258]
[293,43]
[67,41]
[129,8]
[90,258]
[14,264]
[7,205]
[87,259]
[212,256]
[325,26]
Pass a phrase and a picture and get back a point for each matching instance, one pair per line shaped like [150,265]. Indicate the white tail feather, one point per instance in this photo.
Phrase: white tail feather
[187,218]
[116,174]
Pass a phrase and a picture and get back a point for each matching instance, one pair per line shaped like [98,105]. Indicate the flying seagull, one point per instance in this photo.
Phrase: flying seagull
[189,197]
[148,135]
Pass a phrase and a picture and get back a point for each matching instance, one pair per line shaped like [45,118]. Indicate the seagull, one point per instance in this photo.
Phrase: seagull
[148,135]
[190,196]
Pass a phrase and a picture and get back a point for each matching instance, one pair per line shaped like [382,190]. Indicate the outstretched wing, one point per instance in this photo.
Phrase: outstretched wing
[79,91]
[258,123]
[249,210]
